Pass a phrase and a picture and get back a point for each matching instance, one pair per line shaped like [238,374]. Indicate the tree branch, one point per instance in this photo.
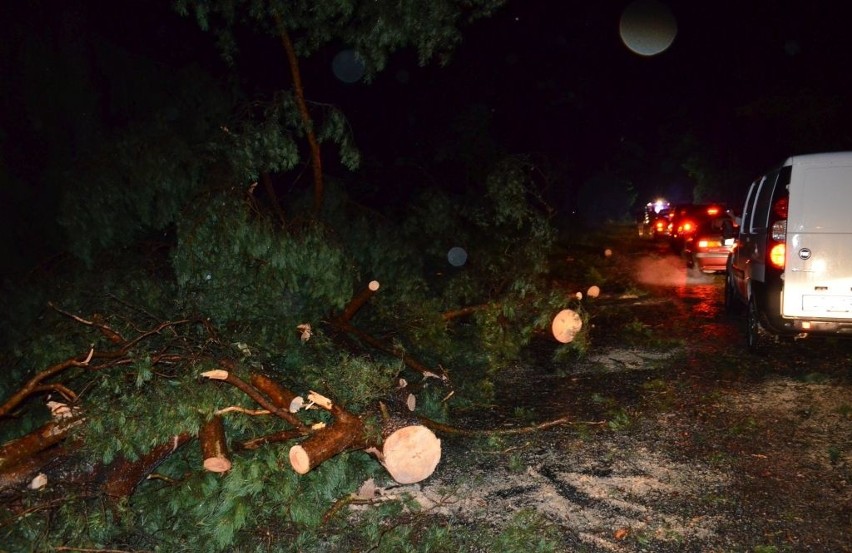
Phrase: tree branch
[227,376]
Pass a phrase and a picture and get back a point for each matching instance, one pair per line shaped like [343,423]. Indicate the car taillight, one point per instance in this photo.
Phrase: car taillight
[709,243]
[688,226]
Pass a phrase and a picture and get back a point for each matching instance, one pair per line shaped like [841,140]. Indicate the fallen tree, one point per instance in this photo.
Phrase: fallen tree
[403,442]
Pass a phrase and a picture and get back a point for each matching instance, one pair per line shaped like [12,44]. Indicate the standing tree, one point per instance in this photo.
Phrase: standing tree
[373,29]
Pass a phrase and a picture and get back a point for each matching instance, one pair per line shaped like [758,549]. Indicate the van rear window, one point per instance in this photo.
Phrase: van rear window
[760,216]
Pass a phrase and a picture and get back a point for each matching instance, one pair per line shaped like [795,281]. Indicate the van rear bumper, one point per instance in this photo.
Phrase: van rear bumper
[822,326]
[769,299]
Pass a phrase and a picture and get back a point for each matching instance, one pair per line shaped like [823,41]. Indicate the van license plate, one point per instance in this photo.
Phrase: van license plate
[833,304]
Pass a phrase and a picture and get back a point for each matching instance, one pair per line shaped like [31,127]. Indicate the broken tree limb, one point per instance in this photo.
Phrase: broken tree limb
[343,323]
[123,476]
[36,441]
[24,471]
[409,361]
[358,301]
[214,448]
[464,311]
[455,431]
[279,395]
[263,401]
[282,398]
[34,384]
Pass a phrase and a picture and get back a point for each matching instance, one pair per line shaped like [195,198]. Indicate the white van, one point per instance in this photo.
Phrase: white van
[792,262]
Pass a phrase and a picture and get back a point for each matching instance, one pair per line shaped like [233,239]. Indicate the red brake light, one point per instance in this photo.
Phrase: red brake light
[712,211]
[776,255]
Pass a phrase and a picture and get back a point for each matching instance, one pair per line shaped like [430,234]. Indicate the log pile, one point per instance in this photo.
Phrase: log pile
[404,446]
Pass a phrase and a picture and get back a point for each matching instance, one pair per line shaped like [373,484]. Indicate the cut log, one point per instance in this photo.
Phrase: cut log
[346,432]
[358,301]
[214,449]
[410,454]
[566,324]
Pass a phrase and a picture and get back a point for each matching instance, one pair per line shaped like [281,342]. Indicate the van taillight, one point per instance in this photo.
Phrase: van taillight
[776,255]
[778,232]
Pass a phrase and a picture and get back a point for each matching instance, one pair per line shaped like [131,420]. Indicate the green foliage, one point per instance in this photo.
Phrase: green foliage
[236,267]
[374,29]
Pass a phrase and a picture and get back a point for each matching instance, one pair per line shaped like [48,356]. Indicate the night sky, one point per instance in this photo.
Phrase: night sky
[743,85]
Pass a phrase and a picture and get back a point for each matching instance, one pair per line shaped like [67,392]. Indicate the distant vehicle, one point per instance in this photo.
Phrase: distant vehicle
[653,221]
[685,219]
[792,261]
[707,249]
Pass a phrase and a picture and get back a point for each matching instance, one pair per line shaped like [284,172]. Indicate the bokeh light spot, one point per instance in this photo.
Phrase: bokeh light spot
[647,27]
[348,66]
[457,256]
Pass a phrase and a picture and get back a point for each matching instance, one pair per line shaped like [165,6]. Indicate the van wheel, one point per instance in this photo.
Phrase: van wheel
[756,336]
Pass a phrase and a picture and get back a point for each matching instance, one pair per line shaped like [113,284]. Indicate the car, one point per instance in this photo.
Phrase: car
[791,267]
[707,248]
[685,219]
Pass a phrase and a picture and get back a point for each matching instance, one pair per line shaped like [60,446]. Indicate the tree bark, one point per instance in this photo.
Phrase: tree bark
[280,396]
[15,451]
[123,476]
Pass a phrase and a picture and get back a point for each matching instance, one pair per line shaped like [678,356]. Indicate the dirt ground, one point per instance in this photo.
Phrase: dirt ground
[693,443]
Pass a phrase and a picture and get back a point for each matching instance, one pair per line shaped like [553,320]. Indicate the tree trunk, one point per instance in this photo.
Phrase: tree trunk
[307,123]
